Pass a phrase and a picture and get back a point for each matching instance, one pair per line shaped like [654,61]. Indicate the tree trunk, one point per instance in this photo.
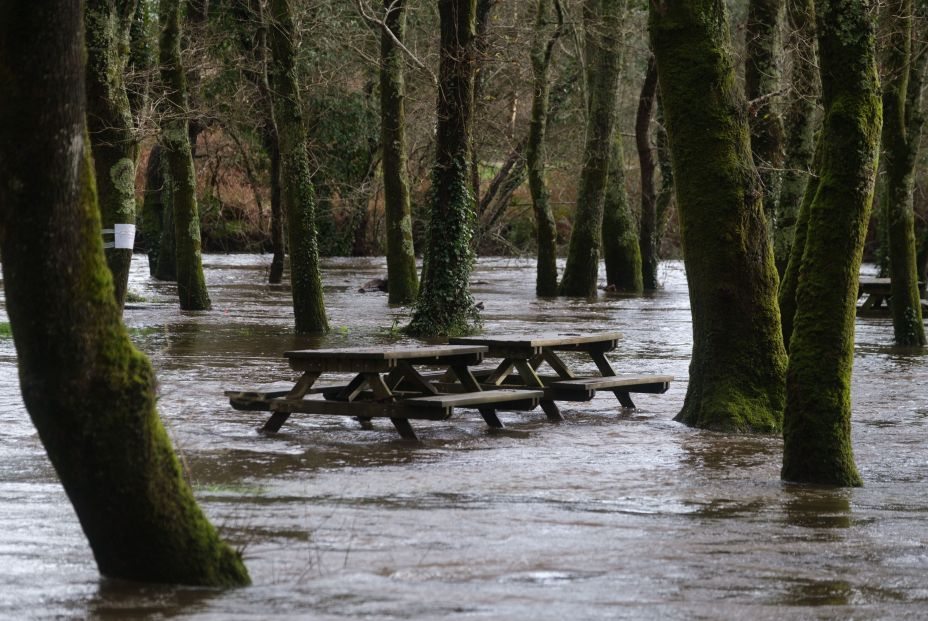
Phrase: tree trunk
[109,121]
[902,124]
[800,124]
[89,392]
[648,238]
[152,209]
[543,43]
[191,285]
[298,196]
[602,27]
[621,253]
[738,364]
[817,424]
[665,197]
[278,238]
[762,84]
[445,305]
[402,280]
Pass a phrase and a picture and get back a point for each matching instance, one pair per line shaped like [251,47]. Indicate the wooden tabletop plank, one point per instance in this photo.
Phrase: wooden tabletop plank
[553,339]
[385,353]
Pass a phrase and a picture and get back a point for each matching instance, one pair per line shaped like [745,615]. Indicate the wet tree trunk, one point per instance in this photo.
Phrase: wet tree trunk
[445,305]
[902,125]
[762,83]
[109,120]
[817,423]
[298,195]
[402,280]
[737,369]
[278,237]
[621,253]
[602,25]
[665,197]
[152,209]
[191,285]
[543,41]
[648,235]
[89,392]
[799,125]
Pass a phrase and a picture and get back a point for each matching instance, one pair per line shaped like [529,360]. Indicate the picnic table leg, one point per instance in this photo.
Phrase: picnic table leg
[409,374]
[555,362]
[298,391]
[501,373]
[469,382]
[606,370]
[530,378]
[383,394]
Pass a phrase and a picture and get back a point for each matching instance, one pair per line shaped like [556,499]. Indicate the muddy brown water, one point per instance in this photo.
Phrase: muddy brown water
[608,515]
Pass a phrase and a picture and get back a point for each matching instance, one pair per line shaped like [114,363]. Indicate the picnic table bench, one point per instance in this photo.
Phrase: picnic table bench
[386,384]
[879,293]
[522,355]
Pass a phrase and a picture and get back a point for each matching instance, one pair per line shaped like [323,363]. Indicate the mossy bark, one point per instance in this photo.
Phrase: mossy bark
[547,13]
[167,251]
[738,363]
[665,195]
[402,280]
[817,424]
[152,209]
[621,253]
[799,125]
[191,284]
[763,50]
[89,392]
[648,235]
[602,26]
[445,305]
[297,193]
[114,144]
[902,124]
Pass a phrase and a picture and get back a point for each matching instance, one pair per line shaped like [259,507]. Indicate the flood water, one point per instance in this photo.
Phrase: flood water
[608,515]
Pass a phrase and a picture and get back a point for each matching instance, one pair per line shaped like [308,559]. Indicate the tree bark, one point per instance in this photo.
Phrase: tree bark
[114,144]
[762,83]
[543,41]
[648,238]
[298,196]
[737,369]
[602,25]
[817,424]
[191,285]
[445,305]
[402,280]
[89,392]
[902,124]
[799,126]
[621,253]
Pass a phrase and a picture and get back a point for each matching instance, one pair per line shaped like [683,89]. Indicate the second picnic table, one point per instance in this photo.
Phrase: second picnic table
[523,354]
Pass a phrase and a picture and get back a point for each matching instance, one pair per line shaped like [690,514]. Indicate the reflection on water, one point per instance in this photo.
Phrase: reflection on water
[607,515]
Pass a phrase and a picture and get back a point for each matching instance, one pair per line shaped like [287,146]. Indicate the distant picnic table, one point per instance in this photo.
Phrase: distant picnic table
[878,292]
[428,382]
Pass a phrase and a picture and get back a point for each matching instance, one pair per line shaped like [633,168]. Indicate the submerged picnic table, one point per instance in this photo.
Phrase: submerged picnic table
[879,293]
[386,384]
[523,354]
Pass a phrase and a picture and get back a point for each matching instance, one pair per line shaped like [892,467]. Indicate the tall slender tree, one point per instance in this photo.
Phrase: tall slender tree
[191,284]
[445,305]
[649,234]
[621,253]
[902,128]
[298,195]
[817,422]
[89,392]
[402,281]
[602,20]
[738,363]
[548,13]
[113,138]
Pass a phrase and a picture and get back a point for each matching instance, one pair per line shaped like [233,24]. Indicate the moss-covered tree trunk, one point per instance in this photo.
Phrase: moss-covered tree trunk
[445,305]
[602,22]
[817,423]
[737,369]
[297,193]
[89,392]
[665,196]
[110,123]
[648,237]
[402,280]
[278,236]
[621,253]
[762,83]
[799,125]
[548,13]
[902,125]
[152,209]
[191,285]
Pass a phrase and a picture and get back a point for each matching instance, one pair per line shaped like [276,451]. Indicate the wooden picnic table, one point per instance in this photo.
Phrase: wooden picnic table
[879,292]
[386,384]
[523,354]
